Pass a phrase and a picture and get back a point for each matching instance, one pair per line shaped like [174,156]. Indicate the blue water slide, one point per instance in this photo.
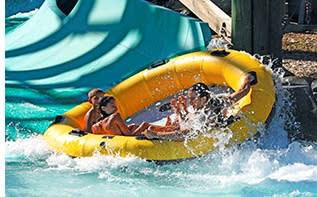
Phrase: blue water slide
[99,44]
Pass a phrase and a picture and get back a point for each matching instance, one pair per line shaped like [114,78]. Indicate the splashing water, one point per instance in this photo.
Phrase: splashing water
[218,43]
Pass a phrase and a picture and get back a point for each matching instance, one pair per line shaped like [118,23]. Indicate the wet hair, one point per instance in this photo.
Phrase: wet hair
[103,102]
[201,90]
[94,92]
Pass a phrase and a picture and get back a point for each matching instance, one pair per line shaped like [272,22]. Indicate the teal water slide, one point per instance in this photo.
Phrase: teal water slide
[57,57]
[99,44]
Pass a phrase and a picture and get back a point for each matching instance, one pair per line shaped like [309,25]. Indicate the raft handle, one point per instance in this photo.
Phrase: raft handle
[107,136]
[165,107]
[142,137]
[77,132]
[57,119]
[220,53]
[158,63]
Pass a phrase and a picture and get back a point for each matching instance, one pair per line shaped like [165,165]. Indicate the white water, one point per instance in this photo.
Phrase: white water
[228,172]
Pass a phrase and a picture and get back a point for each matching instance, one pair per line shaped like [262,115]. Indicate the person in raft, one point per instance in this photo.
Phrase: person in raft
[93,114]
[111,121]
[199,100]
[209,111]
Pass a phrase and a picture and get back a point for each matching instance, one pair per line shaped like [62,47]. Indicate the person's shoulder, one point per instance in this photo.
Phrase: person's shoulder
[89,113]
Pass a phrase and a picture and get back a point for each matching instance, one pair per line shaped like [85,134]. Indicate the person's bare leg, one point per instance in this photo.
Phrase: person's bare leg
[133,126]
[157,128]
[174,135]
[142,127]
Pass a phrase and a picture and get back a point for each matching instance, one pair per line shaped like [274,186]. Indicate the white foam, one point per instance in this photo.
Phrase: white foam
[294,193]
[34,107]
[33,147]
[94,163]
[295,173]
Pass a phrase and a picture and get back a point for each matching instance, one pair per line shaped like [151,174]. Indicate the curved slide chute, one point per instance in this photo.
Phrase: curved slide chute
[99,44]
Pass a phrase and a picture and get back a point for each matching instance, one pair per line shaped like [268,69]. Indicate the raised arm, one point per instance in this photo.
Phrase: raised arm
[243,90]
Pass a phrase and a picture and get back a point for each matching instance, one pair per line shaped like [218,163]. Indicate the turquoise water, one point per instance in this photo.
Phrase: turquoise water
[269,165]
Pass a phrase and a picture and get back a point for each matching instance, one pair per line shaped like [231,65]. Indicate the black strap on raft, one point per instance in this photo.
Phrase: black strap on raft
[165,107]
[142,137]
[219,53]
[107,136]
[77,132]
[57,119]
[102,144]
[158,63]
[255,79]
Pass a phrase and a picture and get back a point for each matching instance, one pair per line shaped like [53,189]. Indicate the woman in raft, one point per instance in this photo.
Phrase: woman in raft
[112,123]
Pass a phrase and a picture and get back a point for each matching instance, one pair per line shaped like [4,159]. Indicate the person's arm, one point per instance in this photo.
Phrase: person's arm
[168,121]
[88,121]
[243,90]
[97,128]
[182,105]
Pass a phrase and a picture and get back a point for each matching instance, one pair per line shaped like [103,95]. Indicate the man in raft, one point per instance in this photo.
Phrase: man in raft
[209,111]
[93,114]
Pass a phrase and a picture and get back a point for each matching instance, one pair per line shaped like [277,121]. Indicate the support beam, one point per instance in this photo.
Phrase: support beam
[257,26]
[241,17]
[209,12]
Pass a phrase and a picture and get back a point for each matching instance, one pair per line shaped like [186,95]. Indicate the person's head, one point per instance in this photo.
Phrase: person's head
[198,95]
[94,95]
[107,105]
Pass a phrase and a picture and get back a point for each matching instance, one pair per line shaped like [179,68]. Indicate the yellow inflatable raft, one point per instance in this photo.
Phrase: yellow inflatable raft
[223,67]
